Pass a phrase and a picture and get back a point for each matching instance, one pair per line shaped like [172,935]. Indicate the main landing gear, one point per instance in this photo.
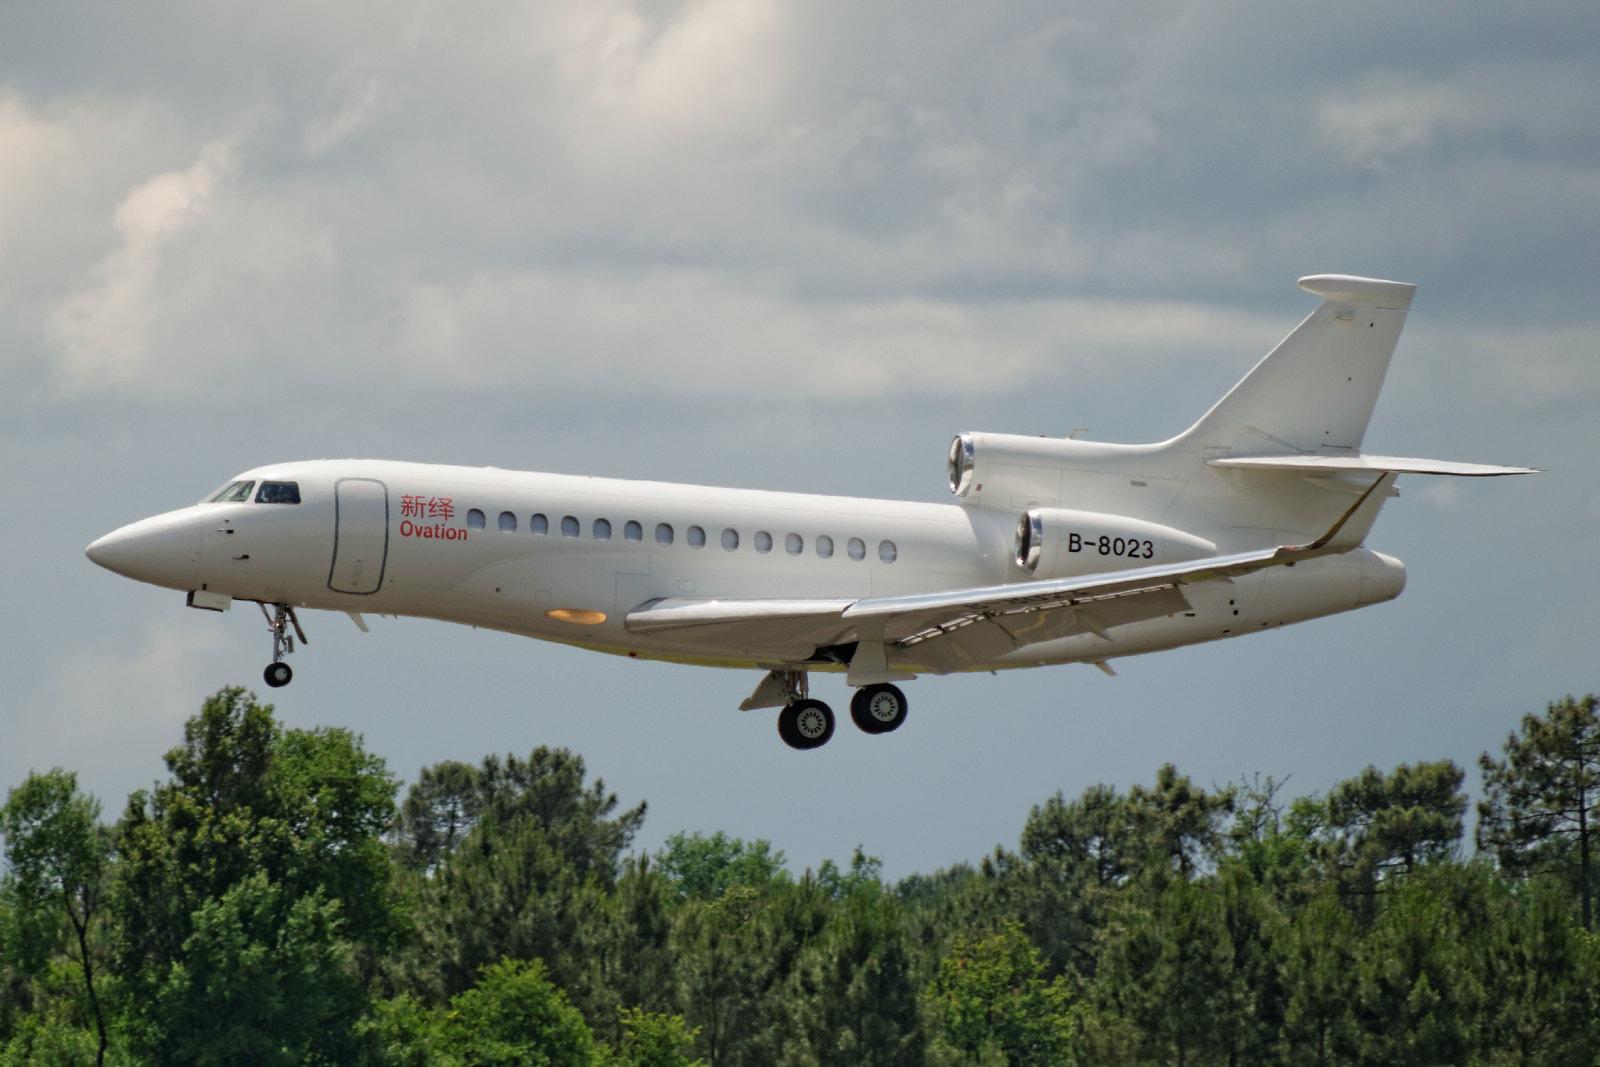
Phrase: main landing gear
[804,723]
[279,621]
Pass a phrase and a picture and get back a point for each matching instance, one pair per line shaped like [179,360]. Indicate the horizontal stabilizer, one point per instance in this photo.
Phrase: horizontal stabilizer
[1359,464]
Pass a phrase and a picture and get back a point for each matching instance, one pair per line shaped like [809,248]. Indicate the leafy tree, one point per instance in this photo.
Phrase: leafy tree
[1178,823]
[57,854]
[850,995]
[653,1039]
[264,978]
[704,867]
[1320,981]
[263,842]
[1377,824]
[1541,805]
[990,999]
[1543,975]
[722,971]
[529,879]
[438,812]
[1165,980]
[516,1015]
[630,964]
[1420,988]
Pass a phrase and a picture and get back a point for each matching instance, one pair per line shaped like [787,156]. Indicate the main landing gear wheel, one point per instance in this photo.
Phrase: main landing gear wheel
[805,724]
[278,675]
[878,709]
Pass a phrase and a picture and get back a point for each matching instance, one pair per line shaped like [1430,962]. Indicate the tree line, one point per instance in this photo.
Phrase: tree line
[277,899]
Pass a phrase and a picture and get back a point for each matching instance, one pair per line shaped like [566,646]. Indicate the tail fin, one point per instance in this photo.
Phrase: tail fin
[1317,388]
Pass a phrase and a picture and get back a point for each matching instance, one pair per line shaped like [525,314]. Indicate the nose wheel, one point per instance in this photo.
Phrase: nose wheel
[280,620]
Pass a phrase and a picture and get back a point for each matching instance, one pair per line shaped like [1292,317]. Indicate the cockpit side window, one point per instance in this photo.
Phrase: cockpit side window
[279,493]
[232,493]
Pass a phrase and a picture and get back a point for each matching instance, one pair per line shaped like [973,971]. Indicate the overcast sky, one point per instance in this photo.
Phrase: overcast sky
[794,246]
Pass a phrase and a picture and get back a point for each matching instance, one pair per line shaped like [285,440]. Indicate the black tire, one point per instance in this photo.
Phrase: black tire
[806,724]
[878,709]
[277,675]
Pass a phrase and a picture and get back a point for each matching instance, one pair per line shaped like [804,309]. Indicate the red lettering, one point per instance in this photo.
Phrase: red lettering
[435,532]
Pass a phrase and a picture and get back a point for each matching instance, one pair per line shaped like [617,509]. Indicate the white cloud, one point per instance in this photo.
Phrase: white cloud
[101,330]
[691,333]
[359,98]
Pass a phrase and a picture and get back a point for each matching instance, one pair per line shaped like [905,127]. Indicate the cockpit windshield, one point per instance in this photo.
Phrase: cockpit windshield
[232,493]
[239,491]
[279,493]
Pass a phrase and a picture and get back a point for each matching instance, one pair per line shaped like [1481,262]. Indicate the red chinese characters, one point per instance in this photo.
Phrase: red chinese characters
[439,508]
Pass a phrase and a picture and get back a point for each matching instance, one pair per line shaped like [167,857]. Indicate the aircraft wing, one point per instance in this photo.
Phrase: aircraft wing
[948,630]
[958,628]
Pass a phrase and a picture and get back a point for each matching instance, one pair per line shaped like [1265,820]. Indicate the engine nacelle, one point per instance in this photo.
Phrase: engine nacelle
[1062,542]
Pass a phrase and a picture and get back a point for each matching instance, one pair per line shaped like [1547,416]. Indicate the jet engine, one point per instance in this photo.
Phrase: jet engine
[1063,542]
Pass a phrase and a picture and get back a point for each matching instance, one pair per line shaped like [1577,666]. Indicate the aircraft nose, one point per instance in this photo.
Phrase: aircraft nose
[161,550]
[1382,578]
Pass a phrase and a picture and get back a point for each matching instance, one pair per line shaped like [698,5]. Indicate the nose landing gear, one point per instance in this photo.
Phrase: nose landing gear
[279,621]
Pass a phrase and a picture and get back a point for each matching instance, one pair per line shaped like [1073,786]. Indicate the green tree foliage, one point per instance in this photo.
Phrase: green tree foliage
[528,879]
[653,1039]
[255,873]
[439,810]
[990,1001]
[515,1015]
[1541,805]
[57,855]
[704,867]
[265,977]
[1377,824]
[248,909]
[1319,977]
[850,994]
[1542,979]
[1419,988]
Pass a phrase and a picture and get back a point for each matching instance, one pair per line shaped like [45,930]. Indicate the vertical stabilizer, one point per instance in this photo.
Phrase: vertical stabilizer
[1317,388]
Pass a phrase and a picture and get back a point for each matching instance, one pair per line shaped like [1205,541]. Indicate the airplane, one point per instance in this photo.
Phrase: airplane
[1055,550]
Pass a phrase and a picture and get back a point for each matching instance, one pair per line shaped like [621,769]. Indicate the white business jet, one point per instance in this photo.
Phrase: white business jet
[1055,551]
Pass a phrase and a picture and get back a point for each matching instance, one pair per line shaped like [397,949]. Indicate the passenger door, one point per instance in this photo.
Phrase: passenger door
[360,536]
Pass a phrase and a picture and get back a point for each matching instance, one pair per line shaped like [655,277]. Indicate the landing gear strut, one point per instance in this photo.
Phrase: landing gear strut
[279,621]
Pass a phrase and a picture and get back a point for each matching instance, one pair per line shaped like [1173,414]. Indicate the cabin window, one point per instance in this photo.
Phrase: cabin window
[539,525]
[824,546]
[633,532]
[697,537]
[508,522]
[602,529]
[763,542]
[232,493]
[887,552]
[279,493]
[569,526]
[663,533]
[475,519]
[857,548]
[730,539]
[794,544]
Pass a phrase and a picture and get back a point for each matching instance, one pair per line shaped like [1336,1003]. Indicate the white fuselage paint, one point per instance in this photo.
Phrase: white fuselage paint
[376,558]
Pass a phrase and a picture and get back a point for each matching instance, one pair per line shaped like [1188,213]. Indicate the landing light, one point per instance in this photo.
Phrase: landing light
[580,616]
